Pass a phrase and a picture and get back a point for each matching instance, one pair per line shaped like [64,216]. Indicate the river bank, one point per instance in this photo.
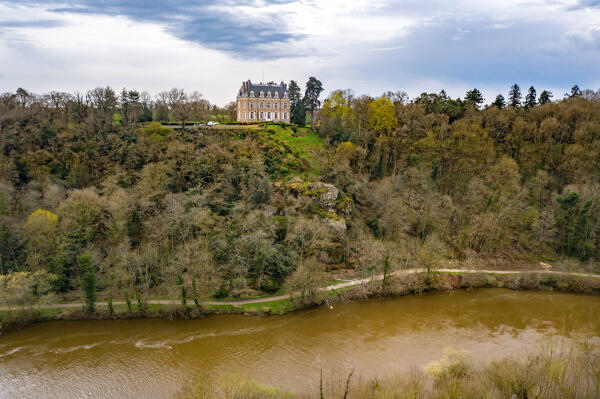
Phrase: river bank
[554,371]
[396,284]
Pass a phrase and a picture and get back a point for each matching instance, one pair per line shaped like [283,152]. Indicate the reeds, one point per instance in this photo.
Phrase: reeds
[556,371]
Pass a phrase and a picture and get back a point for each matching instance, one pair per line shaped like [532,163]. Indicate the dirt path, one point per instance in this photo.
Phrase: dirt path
[332,287]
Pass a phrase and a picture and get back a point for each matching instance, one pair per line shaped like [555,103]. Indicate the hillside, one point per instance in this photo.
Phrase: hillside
[135,209]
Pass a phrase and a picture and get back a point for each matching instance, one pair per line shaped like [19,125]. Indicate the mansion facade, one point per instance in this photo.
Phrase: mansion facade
[263,102]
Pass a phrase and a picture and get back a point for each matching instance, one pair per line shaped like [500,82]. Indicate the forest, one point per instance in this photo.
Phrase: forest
[99,198]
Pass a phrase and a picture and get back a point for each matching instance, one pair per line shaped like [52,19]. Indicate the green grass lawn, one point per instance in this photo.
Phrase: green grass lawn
[304,142]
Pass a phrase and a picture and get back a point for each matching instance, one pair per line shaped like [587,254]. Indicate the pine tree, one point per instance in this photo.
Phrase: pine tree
[575,92]
[545,97]
[88,281]
[297,110]
[474,97]
[314,87]
[514,96]
[530,98]
[499,101]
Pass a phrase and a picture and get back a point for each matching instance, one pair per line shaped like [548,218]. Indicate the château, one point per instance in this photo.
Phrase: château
[263,102]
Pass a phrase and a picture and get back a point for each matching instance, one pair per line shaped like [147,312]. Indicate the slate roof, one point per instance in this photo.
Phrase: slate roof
[248,86]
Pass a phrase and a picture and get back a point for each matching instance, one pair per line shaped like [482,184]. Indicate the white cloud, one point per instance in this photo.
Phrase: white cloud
[370,46]
[91,50]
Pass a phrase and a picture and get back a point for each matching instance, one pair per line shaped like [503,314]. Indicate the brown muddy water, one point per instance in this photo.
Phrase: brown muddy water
[132,359]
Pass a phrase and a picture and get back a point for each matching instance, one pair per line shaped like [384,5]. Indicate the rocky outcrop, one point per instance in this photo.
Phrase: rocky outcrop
[326,193]
[338,226]
[330,203]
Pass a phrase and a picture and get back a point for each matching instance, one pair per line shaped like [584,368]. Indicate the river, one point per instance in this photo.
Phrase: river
[155,358]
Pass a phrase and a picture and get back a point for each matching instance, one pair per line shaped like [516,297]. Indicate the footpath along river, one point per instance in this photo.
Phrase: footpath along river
[154,358]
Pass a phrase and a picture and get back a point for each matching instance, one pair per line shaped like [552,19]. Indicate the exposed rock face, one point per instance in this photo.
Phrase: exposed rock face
[338,226]
[332,203]
[327,194]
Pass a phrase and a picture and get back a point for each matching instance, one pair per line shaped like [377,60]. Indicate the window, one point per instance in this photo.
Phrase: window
[251,93]
[268,115]
[285,95]
[260,104]
[251,115]
[276,94]
[276,105]
[285,115]
[268,94]
[260,115]
[251,104]
[269,105]
[262,93]
[244,115]
[276,116]
[284,105]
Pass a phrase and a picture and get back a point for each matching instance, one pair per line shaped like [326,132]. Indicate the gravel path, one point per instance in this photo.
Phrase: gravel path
[332,287]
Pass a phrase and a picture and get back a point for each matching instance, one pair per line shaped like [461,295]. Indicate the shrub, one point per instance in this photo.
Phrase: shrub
[156,130]
[453,364]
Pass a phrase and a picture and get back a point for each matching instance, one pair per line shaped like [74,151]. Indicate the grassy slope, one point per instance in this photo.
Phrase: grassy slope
[304,143]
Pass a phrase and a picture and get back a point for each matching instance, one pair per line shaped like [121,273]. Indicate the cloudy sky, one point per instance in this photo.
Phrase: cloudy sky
[369,46]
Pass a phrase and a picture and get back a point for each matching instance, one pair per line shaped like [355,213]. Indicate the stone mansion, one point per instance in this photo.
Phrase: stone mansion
[263,102]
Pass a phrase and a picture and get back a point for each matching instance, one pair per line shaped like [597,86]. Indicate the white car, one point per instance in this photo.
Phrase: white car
[211,123]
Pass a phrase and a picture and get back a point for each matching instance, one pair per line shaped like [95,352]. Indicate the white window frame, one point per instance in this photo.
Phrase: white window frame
[260,115]
[251,93]
[262,94]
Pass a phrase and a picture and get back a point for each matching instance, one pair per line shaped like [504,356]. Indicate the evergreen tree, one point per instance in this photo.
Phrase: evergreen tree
[530,98]
[88,281]
[474,97]
[514,96]
[294,92]
[499,101]
[314,87]
[297,111]
[545,97]
[575,92]
[298,114]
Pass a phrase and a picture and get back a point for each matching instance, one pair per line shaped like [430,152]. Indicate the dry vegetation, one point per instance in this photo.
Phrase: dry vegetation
[96,203]
[556,371]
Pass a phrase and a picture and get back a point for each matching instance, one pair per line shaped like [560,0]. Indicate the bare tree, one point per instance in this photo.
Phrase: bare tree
[199,106]
[179,105]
